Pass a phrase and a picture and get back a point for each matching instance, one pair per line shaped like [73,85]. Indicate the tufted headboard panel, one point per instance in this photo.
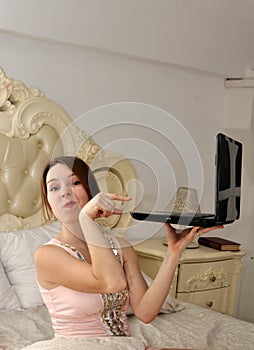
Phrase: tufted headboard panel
[21,163]
[33,130]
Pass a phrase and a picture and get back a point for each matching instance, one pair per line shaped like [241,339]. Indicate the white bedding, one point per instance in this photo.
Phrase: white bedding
[193,327]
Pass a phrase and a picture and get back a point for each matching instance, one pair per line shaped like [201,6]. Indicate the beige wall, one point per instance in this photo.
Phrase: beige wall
[210,35]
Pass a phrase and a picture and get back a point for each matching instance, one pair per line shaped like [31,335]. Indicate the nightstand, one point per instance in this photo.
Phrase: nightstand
[205,276]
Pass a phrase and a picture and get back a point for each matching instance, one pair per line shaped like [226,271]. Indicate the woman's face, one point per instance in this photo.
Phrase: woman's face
[65,193]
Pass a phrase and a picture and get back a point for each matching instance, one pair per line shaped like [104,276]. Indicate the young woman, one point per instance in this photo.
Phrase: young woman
[88,279]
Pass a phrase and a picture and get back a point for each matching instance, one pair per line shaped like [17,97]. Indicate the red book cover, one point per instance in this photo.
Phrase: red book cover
[219,243]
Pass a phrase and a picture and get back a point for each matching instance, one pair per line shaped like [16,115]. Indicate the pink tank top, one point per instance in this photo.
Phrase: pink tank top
[78,314]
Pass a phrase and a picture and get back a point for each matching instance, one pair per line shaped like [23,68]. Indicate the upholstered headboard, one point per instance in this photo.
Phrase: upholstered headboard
[33,129]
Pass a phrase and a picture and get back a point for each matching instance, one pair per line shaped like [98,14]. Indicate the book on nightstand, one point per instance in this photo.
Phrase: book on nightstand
[219,243]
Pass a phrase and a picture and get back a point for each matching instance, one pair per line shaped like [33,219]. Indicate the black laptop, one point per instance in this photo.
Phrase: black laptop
[228,164]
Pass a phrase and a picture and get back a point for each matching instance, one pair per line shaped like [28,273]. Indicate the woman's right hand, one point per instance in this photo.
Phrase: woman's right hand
[177,242]
[103,205]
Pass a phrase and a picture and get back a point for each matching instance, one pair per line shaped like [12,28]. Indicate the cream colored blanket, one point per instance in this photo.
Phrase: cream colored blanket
[193,327]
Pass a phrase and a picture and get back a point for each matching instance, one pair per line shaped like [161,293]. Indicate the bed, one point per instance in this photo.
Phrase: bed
[33,129]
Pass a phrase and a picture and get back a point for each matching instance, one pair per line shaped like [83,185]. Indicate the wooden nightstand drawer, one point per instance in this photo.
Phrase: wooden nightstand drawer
[205,276]
[216,299]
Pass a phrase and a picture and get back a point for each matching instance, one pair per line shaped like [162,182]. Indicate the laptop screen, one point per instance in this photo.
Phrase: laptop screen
[228,178]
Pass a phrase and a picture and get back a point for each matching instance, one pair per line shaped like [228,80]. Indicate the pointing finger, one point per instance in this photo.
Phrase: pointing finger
[118,197]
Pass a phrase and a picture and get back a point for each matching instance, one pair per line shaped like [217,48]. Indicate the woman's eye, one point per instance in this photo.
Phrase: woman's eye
[54,188]
[76,183]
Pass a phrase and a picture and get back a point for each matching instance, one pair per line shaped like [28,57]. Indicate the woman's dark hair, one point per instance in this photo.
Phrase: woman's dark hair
[80,169]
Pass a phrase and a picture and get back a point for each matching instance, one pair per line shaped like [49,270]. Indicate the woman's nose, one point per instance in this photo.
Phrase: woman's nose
[66,191]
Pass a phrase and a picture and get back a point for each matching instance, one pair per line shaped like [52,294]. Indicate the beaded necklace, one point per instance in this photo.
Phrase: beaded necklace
[73,249]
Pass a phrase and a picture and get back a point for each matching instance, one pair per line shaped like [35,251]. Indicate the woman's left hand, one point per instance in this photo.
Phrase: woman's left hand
[177,242]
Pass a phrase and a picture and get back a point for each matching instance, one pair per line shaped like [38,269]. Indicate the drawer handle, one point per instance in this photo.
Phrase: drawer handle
[212,278]
[209,304]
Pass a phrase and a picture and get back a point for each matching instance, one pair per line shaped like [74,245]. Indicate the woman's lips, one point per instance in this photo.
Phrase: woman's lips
[69,204]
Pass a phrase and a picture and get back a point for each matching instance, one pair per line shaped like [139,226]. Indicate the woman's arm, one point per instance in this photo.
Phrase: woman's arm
[56,267]
[146,302]
[105,266]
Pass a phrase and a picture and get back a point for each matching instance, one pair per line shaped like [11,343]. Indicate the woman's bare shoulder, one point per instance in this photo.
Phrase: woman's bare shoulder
[48,252]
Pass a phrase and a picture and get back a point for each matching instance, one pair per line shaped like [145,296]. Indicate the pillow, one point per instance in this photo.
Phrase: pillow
[8,298]
[170,304]
[17,256]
